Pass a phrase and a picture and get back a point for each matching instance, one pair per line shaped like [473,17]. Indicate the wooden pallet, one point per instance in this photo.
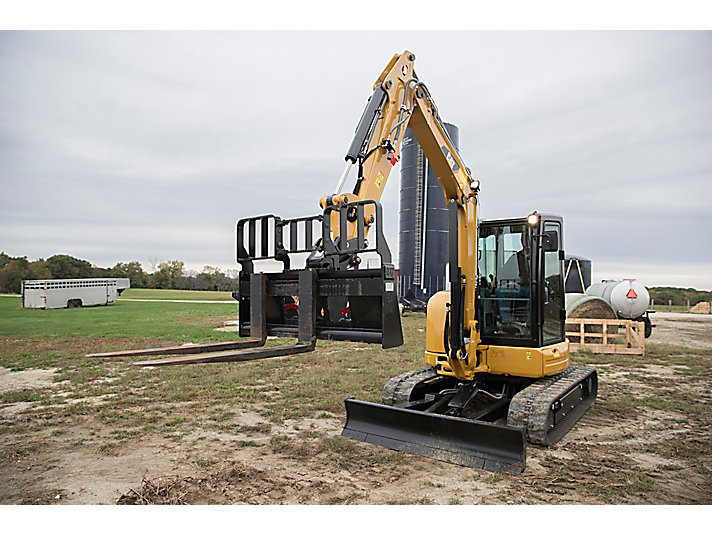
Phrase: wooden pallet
[607,340]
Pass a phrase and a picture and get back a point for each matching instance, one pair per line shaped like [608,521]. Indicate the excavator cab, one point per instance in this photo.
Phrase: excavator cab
[520,293]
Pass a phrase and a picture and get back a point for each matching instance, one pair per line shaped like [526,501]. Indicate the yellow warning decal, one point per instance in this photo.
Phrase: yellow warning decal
[529,355]
[379,179]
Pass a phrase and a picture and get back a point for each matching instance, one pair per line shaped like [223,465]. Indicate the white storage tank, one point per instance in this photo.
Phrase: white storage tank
[629,298]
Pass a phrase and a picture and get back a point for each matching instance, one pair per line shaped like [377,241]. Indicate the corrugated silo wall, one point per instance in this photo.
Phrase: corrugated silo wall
[436,227]
[422,246]
[411,184]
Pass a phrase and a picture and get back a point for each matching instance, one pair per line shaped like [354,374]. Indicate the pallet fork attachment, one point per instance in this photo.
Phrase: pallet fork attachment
[230,351]
[231,356]
[324,300]
[183,349]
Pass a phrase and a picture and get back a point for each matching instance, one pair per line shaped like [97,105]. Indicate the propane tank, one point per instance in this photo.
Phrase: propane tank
[629,298]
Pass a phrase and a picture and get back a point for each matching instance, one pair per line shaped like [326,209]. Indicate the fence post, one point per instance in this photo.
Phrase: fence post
[688,304]
[670,305]
[628,333]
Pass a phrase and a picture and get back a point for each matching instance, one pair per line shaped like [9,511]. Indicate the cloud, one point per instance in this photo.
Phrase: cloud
[128,145]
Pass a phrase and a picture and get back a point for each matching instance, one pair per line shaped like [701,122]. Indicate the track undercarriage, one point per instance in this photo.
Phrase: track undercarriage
[484,423]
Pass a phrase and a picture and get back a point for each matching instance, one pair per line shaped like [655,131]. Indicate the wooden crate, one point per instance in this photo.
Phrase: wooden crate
[632,332]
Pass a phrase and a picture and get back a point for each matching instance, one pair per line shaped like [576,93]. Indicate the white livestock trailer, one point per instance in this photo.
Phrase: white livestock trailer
[72,293]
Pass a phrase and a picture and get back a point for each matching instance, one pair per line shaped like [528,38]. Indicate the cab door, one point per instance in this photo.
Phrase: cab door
[552,296]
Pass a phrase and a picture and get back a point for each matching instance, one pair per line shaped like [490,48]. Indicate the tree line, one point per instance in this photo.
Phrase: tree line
[173,275]
[165,275]
[679,295]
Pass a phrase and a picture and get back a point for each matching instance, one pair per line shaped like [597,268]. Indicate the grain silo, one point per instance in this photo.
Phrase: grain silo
[422,247]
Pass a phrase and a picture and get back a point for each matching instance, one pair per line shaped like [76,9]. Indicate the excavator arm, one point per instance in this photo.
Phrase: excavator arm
[399,101]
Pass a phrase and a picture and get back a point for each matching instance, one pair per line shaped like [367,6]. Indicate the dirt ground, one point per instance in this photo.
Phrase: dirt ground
[646,441]
[690,329]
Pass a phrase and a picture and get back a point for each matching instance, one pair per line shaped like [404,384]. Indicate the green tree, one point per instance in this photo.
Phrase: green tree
[212,276]
[678,295]
[166,274]
[4,259]
[39,270]
[100,272]
[160,280]
[12,275]
[131,270]
[65,266]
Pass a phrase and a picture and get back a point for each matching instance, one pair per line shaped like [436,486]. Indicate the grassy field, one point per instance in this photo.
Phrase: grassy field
[666,308]
[268,431]
[139,324]
[175,321]
[175,294]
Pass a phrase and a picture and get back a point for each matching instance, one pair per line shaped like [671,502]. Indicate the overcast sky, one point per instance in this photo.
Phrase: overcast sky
[120,146]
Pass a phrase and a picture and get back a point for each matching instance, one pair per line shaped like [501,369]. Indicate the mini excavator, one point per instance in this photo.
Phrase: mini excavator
[497,365]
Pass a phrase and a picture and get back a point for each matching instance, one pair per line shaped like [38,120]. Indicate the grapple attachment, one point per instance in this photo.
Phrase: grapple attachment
[458,440]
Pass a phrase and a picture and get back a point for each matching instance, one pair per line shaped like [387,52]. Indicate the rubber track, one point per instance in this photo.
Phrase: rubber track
[398,389]
[529,409]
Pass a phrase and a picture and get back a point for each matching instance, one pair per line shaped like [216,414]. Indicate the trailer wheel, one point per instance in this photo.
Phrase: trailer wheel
[74,303]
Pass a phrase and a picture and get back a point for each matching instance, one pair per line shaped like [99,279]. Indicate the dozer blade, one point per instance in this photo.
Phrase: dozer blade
[452,439]
[231,356]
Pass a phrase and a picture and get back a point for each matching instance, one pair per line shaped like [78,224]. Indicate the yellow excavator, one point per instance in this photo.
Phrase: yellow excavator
[496,347]
[497,366]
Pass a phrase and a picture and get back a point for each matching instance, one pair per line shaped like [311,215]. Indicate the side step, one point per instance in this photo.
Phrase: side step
[231,356]
[457,440]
